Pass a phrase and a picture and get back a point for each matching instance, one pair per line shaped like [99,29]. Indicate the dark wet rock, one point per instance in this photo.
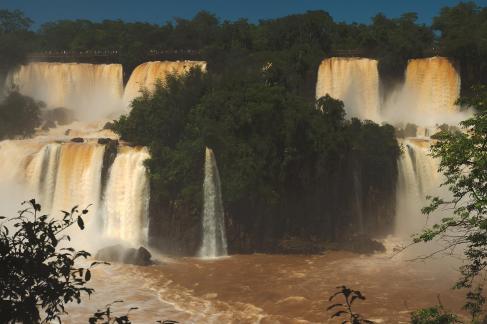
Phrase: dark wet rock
[77,140]
[296,245]
[111,151]
[103,141]
[119,253]
[138,256]
[357,244]
[107,141]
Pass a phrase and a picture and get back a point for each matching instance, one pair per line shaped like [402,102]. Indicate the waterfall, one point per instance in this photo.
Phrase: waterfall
[428,95]
[418,177]
[214,241]
[15,156]
[355,81]
[146,75]
[43,173]
[436,84]
[62,175]
[426,98]
[92,91]
[78,176]
[126,197]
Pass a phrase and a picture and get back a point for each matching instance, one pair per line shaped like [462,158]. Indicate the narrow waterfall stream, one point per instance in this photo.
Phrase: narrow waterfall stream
[214,243]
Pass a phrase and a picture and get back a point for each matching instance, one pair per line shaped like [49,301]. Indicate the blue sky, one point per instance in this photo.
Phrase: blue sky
[160,11]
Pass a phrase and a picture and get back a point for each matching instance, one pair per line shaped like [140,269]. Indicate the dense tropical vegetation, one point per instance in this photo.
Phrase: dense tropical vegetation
[288,164]
[295,44]
[16,39]
[291,166]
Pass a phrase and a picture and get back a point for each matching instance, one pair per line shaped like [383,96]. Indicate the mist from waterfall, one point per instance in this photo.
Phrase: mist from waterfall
[426,98]
[428,95]
[62,175]
[214,242]
[418,177]
[91,91]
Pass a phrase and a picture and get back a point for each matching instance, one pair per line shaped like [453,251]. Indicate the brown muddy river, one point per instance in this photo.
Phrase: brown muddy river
[263,288]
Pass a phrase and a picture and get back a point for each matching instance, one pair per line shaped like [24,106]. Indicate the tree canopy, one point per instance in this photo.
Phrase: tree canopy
[463,161]
[274,147]
[16,39]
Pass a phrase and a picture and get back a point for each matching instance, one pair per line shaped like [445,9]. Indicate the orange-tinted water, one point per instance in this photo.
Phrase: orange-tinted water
[269,288]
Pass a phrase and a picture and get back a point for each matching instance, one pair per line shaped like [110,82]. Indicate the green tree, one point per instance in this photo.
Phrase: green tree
[462,30]
[16,39]
[463,161]
[394,41]
[275,150]
[345,310]
[433,315]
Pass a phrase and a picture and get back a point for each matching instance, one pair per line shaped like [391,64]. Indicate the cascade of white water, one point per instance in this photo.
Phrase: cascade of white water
[92,91]
[15,156]
[355,81]
[78,180]
[42,173]
[146,75]
[214,241]
[418,177]
[62,175]
[427,97]
[126,198]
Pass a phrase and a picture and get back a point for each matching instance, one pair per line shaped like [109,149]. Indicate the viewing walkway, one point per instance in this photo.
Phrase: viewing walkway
[109,54]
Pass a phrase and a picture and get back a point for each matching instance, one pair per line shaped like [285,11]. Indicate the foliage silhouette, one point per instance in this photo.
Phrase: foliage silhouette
[433,315]
[106,316]
[38,277]
[475,303]
[463,161]
[345,309]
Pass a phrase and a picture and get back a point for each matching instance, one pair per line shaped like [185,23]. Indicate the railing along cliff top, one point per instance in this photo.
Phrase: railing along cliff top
[67,54]
[347,52]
